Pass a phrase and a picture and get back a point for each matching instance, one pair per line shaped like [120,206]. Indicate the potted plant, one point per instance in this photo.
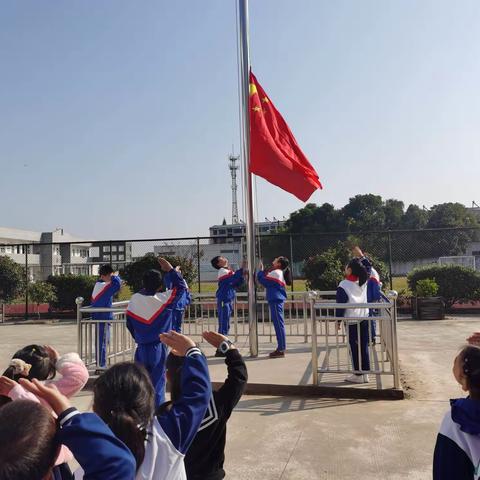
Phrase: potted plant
[426,304]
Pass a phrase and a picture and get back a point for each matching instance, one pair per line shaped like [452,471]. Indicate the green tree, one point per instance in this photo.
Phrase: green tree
[315,219]
[326,270]
[12,279]
[393,211]
[450,215]
[414,218]
[133,273]
[364,213]
[42,292]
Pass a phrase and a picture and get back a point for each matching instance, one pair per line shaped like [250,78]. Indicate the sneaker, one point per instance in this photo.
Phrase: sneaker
[218,353]
[355,379]
[365,378]
[276,354]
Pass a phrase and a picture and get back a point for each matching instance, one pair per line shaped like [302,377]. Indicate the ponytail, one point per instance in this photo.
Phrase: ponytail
[124,398]
[359,270]
[470,356]
[129,429]
[287,273]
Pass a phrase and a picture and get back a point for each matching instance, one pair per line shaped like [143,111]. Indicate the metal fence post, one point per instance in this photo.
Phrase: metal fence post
[314,342]
[291,261]
[392,296]
[390,258]
[198,266]
[79,302]
[26,281]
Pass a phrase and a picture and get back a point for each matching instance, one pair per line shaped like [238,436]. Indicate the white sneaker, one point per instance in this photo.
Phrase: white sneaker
[355,379]
[365,378]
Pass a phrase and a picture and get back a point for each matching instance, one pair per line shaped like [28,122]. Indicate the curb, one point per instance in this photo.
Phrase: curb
[271,389]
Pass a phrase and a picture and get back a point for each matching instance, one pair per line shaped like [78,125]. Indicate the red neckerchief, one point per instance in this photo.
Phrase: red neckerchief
[352,278]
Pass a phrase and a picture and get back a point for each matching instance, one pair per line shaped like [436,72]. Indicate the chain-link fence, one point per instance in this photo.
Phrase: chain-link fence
[399,250]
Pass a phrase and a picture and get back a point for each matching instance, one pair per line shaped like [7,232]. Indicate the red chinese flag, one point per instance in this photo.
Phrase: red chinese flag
[274,152]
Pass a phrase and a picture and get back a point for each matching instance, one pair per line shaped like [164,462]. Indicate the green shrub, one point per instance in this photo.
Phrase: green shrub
[133,273]
[327,270]
[426,288]
[12,279]
[69,287]
[456,284]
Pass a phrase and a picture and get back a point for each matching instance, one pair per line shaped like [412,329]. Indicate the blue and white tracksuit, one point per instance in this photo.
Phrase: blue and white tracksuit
[349,291]
[101,455]
[179,310]
[457,451]
[172,432]
[274,283]
[374,291]
[228,280]
[102,296]
[148,315]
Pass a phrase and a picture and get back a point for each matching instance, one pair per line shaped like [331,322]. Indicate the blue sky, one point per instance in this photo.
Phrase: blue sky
[116,117]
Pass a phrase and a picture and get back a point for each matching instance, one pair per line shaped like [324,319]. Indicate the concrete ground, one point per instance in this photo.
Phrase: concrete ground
[296,438]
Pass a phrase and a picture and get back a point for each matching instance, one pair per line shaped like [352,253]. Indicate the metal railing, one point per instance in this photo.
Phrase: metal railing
[330,339]
[199,316]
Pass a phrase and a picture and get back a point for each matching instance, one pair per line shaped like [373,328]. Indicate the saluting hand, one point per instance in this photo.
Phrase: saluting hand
[179,343]
[165,265]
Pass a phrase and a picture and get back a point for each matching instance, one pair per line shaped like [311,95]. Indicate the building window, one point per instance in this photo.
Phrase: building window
[106,248]
[114,258]
[121,257]
[121,248]
[114,248]
[106,258]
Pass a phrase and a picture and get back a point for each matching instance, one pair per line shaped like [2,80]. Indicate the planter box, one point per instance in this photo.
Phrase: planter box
[428,308]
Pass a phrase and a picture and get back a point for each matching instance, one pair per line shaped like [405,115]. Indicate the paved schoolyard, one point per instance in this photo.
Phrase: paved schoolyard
[294,438]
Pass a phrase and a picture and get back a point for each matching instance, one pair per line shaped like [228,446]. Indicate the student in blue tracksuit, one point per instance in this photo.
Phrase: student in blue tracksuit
[102,296]
[179,310]
[374,289]
[228,281]
[457,451]
[274,281]
[149,314]
[30,431]
[353,289]
[124,398]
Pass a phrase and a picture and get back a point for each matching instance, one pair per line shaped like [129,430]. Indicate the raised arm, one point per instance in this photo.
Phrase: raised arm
[74,374]
[100,454]
[181,422]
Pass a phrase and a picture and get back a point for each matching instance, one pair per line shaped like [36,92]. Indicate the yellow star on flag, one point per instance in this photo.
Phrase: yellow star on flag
[253,89]
[265,100]
[256,108]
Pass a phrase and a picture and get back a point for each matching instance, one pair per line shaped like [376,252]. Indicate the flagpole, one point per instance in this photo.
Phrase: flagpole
[249,208]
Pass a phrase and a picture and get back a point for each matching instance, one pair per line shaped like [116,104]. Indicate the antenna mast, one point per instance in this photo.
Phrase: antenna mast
[232,165]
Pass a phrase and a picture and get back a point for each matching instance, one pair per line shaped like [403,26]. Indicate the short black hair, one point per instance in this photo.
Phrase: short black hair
[105,269]
[152,280]
[214,262]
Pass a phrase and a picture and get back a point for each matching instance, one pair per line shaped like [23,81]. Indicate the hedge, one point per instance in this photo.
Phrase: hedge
[456,284]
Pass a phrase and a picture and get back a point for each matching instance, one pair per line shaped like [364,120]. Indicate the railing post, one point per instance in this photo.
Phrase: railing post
[392,296]
[291,261]
[305,318]
[314,342]
[26,281]
[198,266]
[79,302]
